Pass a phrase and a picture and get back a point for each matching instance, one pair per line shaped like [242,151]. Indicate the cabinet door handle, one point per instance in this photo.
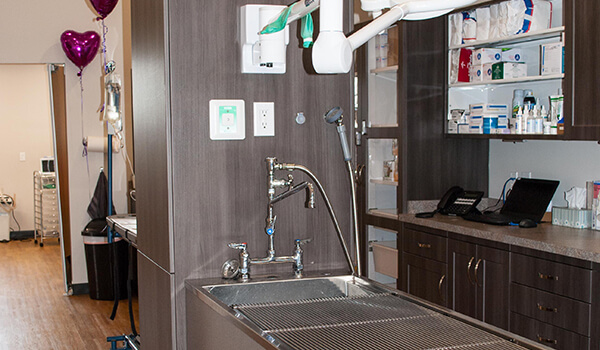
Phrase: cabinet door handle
[440,288]
[477,268]
[424,245]
[546,340]
[469,270]
[545,308]
[547,277]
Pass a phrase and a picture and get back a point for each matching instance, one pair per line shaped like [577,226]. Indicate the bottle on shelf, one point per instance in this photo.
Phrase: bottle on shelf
[529,99]
[518,128]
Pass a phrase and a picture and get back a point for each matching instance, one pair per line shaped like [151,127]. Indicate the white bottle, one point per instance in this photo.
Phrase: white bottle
[519,122]
[526,118]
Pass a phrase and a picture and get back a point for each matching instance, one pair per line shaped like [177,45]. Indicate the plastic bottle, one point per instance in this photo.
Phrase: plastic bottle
[529,99]
[526,118]
[519,122]
[517,101]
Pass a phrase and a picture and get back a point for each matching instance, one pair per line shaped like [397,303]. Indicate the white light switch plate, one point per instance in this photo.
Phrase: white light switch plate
[227,120]
[264,119]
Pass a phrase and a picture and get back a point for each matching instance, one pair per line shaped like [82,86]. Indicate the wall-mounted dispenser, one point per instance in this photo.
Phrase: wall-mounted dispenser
[262,53]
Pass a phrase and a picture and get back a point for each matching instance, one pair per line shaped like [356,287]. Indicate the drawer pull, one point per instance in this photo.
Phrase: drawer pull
[546,340]
[469,270]
[547,277]
[544,308]
[477,268]
[440,288]
[424,245]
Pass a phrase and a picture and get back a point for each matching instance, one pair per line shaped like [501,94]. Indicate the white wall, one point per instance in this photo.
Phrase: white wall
[25,126]
[571,162]
[30,34]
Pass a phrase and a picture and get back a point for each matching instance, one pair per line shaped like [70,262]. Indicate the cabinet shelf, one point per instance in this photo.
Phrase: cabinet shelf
[384,213]
[507,137]
[384,182]
[514,39]
[535,78]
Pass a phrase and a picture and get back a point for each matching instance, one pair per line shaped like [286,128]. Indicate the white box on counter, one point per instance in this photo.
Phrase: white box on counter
[486,55]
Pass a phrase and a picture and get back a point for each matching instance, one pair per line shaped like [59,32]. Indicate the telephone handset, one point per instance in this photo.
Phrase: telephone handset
[456,201]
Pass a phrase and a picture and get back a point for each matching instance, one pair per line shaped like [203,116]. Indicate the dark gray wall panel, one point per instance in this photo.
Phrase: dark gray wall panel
[156,305]
[151,122]
[219,187]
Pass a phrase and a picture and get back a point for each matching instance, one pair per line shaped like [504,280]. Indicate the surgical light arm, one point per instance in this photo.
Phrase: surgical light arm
[332,52]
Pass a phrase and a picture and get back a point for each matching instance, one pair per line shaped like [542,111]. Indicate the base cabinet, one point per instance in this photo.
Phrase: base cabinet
[479,278]
[426,279]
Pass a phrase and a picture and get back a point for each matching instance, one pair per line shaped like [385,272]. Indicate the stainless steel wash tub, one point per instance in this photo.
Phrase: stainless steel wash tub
[340,312]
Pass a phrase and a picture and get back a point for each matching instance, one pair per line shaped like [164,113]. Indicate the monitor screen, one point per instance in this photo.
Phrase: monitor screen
[529,198]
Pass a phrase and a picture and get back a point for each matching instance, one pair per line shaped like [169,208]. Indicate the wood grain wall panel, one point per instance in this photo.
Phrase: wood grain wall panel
[151,130]
[219,187]
[434,163]
[155,305]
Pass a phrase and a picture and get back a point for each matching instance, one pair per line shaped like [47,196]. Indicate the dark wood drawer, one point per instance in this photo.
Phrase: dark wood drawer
[551,308]
[425,245]
[570,281]
[546,334]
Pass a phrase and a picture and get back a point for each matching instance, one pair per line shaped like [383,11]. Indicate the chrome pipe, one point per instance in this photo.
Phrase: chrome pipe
[355,217]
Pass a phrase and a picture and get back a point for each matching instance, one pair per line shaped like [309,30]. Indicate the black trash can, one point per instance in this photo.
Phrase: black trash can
[106,262]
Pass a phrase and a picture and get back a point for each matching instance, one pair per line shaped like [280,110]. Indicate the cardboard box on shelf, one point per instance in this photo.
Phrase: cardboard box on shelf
[552,59]
[486,55]
[508,70]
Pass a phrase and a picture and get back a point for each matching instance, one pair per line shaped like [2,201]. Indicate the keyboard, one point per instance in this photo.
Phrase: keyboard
[493,218]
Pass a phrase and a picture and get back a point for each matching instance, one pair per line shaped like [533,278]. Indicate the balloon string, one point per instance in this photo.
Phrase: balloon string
[104,61]
[83,140]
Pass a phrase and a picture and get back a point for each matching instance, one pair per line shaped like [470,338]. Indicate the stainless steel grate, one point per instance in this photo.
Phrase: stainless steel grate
[369,322]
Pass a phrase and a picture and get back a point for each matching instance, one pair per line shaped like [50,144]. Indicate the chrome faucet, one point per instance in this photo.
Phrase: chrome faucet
[233,269]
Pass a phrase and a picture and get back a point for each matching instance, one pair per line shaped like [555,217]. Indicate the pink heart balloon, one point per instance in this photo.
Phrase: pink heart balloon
[104,7]
[80,48]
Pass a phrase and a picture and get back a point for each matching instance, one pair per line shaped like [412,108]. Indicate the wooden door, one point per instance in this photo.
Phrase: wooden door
[491,273]
[581,70]
[463,290]
[426,279]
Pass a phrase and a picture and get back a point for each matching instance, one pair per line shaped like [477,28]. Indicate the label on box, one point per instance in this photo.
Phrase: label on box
[552,59]
[480,109]
[509,70]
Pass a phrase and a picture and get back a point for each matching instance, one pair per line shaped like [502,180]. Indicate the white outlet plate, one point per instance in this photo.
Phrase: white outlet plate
[227,120]
[264,118]
[22,156]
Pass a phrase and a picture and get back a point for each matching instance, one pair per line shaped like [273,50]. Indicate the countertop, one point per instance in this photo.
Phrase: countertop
[575,243]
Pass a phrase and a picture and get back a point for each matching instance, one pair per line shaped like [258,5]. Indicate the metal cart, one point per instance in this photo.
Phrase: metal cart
[45,207]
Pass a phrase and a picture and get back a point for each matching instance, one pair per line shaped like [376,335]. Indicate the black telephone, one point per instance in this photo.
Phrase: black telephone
[456,201]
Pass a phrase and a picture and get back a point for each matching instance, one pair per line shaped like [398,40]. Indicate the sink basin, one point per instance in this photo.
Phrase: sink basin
[303,289]
[332,312]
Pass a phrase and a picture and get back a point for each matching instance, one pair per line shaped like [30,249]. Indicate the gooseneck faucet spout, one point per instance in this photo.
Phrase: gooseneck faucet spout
[243,268]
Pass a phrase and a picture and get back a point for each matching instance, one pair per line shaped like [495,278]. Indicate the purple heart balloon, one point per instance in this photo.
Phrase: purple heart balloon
[104,7]
[80,48]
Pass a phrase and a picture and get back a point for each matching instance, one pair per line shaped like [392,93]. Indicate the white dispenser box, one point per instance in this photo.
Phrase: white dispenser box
[4,228]
[486,55]
[514,55]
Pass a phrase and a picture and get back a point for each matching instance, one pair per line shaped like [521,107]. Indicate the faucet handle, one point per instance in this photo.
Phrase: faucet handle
[240,246]
[301,242]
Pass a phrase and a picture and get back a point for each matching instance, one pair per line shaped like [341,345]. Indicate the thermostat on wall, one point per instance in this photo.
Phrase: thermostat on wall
[227,120]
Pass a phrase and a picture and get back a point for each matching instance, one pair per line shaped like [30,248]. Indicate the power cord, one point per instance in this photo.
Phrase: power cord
[502,196]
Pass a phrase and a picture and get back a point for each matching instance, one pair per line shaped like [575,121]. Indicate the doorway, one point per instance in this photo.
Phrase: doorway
[33,127]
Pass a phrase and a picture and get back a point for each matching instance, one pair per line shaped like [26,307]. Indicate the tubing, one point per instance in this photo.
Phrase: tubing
[329,208]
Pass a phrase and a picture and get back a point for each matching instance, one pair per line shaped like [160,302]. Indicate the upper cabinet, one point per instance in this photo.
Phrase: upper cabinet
[490,67]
